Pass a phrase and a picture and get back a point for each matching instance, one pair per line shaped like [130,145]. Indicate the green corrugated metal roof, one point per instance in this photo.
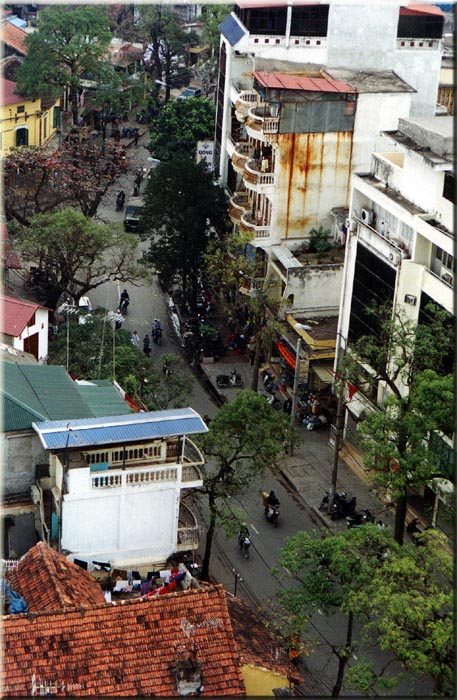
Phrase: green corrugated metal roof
[39,390]
[103,399]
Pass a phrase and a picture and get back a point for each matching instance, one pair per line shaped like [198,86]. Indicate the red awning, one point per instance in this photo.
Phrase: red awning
[286,354]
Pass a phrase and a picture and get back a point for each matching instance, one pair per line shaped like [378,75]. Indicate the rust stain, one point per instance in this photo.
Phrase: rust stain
[290,182]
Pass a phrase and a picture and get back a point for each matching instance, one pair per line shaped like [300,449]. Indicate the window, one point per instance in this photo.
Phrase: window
[22,137]
[20,109]
[56,118]
[449,187]
[309,21]
[419,26]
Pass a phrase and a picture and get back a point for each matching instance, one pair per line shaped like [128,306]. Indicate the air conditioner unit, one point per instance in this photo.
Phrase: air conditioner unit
[410,299]
[446,277]
[367,216]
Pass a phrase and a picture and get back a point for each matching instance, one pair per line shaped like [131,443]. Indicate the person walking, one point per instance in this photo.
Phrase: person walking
[136,136]
[135,339]
[147,346]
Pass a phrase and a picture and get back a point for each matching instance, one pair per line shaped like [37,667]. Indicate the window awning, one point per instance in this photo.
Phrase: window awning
[324,373]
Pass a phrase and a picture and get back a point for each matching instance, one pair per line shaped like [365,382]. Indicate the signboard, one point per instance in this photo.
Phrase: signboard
[205,151]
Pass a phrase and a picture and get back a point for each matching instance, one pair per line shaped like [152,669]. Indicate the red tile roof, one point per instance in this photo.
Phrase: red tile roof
[10,258]
[14,37]
[48,581]
[15,315]
[290,81]
[9,98]
[128,649]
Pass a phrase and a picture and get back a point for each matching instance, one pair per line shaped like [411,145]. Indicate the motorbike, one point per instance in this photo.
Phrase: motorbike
[337,496]
[120,200]
[268,380]
[315,422]
[244,544]
[123,305]
[343,507]
[228,380]
[274,402]
[272,514]
[358,519]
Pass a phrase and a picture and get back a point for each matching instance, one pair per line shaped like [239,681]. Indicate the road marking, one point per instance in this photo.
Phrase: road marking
[256,531]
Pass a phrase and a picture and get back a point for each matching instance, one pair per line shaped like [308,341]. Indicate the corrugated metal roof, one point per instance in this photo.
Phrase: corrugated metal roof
[43,391]
[232,31]
[289,81]
[151,425]
[102,398]
[285,256]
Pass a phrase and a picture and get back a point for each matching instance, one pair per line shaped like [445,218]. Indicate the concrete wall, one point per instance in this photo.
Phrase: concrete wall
[21,451]
[317,288]
[41,328]
[138,522]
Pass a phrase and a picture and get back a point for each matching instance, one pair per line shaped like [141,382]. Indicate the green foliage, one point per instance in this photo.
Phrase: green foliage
[245,437]
[91,357]
[212,16]
[70,40]
[179,126]
[319,240]
[78,252]
[182,204]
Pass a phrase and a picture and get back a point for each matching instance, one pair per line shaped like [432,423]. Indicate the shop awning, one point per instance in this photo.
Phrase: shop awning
[286,354]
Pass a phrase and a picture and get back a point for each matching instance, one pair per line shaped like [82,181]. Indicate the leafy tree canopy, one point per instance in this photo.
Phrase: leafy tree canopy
[179,126]
[77,253]
[70,40]
[90,349]
[243,440]
[182,205]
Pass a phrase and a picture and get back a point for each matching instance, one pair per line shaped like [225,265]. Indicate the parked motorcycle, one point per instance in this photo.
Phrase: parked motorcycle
[343,507]
[359,518]
[338,495]
[268,380]
[228,380]
[157,336]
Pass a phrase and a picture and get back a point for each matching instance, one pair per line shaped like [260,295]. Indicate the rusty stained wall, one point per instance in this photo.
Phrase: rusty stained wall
[316,288]
[312,175]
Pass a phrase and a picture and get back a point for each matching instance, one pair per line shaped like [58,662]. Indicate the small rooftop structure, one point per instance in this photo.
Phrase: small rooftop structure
[16,315]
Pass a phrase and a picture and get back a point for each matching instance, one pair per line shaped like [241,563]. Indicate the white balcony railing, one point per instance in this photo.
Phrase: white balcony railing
[248,223]
[114,478]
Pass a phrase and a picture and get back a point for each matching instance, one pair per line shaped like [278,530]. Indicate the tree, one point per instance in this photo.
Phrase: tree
[183,210]
[77,253]
[212,16]
[329,573]
[70,41]
[90,349]
[410,603]
[179,126]
[169,42]
[77,173]
[245,437]
[395,439]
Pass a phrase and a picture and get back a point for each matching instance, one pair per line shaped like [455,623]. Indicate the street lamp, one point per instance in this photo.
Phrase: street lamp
[303,327]
[338,426]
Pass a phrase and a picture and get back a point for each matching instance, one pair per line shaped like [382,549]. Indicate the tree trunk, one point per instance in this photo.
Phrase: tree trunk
[343,658]
[209,540]
[256,365]
[400,518]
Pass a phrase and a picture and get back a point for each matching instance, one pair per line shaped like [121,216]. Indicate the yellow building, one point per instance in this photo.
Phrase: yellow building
[26,122]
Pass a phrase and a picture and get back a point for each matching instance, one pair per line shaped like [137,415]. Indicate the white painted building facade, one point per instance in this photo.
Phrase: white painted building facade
[116,486]
[381,77]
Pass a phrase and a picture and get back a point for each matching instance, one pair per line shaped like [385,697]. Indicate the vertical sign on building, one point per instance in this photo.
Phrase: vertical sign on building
[205,151]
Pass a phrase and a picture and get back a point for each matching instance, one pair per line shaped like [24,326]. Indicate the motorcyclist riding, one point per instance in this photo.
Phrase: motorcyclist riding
[244,532]
[272,500]
[124,301]
[156,329]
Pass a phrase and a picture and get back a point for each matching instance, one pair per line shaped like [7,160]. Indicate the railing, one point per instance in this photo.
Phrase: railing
[248,223]
[120,478]
[293,41]
[237,205]
[252,176]
[190,473]
[402,252]
[188,530]
[240,156]
[266,122]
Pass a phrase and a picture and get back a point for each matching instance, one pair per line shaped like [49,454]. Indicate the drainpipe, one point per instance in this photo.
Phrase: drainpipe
[288,22]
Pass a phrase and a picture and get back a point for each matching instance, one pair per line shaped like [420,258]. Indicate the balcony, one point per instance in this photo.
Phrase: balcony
[120,478]
[141,455]
[254,179]
[259,230]
[237,205]
[188,530]
[243,99]
[381,244]
[240,156]
[262,125]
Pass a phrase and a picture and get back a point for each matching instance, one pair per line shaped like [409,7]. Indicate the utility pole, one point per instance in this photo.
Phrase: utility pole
[338,430]
[294,395]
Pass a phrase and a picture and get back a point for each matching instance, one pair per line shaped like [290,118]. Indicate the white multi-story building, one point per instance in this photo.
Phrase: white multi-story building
[113,493]
[401,242]
[304,91]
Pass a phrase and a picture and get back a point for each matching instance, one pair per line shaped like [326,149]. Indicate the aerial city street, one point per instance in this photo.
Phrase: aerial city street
[227,349]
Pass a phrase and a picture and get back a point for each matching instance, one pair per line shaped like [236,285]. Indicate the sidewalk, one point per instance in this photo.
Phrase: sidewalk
[309,469]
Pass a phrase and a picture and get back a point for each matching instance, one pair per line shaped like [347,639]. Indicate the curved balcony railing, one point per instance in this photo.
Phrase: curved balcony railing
[241,155]
[254,179]
[188,530]
[237,205]
[248,224]
[262,122]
